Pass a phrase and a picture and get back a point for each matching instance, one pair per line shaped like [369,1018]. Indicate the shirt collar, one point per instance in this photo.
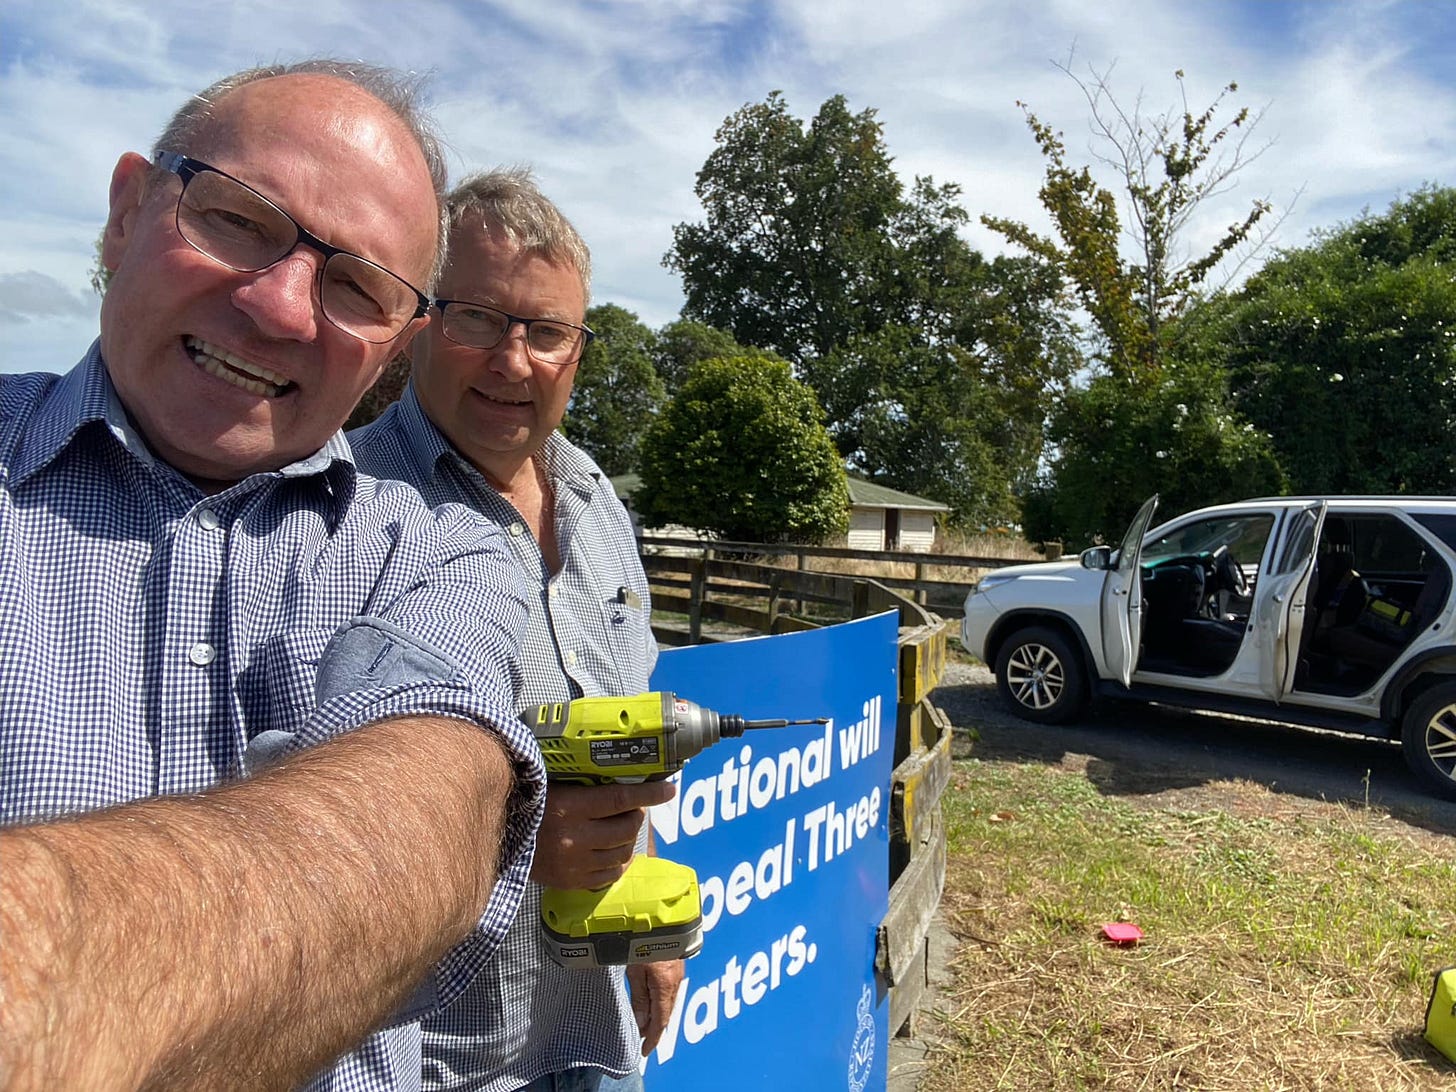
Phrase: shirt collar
[425,444]
[85,396]
[333,464]
[82,396]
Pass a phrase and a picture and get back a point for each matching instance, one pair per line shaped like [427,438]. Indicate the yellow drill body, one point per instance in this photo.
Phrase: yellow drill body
[654,911]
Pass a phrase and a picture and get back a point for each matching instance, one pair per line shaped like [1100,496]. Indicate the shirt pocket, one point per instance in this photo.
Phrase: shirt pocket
[277,689]
[629,638]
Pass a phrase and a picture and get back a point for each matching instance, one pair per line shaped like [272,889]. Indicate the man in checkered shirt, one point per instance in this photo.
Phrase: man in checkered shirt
[196,587]
[491,379]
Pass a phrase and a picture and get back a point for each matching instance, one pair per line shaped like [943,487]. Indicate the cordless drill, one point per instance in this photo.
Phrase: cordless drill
[654,911]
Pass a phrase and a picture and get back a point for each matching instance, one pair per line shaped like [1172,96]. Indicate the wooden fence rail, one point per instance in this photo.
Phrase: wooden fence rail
[803,553]
[672,563]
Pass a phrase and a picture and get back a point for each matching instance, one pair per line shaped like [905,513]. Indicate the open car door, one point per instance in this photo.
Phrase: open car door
[1280,595]
[1122,598]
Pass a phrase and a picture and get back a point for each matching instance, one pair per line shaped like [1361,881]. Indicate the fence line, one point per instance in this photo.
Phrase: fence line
[802,553]
[697,579]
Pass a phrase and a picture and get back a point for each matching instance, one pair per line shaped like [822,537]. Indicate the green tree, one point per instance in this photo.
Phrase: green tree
[1121,439]
[100,275]
[1154,416]
[1024,345]
[929,430]
[684,342]
[1345,351]
[984,389]
[1167,166]
[812,247]
[741,451]
[809,238]
[617,392]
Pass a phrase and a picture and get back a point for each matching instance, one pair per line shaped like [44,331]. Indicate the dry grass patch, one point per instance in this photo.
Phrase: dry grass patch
[1008,548]
[1280,952]
[1006,544]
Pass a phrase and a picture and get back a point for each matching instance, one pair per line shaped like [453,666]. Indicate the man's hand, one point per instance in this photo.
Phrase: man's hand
[589,833]
[654,987]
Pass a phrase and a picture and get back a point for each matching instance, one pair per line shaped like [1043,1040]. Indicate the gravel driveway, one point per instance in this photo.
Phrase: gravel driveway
[1197,761]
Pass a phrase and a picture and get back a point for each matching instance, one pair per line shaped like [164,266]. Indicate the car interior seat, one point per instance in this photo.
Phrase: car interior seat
[1328,660]
[1173,594]
[1339,593]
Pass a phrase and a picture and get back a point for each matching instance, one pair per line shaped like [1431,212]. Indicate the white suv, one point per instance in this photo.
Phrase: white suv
[1335,612]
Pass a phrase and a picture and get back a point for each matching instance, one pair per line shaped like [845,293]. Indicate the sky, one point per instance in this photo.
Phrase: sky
[614,105]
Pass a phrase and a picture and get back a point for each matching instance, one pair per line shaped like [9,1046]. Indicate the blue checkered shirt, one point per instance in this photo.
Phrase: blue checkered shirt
[588,633]
[148,632]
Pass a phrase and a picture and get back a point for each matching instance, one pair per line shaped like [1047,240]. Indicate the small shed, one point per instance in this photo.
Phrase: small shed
[881,518]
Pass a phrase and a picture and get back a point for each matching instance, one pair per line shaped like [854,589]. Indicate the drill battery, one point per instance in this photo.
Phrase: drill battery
[652,913]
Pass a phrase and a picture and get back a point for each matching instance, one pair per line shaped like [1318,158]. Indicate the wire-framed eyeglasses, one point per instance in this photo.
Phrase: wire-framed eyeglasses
[237,227]
[549,341]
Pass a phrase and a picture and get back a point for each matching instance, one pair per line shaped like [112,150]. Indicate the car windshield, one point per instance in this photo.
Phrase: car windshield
[1244,535]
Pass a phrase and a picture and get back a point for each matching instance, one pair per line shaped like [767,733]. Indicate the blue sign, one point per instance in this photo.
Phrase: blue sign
[788,830]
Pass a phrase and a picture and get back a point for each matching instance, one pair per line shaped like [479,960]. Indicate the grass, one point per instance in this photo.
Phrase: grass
[1279,953]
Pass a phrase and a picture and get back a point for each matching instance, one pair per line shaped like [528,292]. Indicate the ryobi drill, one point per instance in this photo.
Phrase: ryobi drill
[654,911]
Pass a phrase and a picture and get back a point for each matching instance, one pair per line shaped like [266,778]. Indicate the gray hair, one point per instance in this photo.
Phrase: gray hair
[398,92]
[508,199]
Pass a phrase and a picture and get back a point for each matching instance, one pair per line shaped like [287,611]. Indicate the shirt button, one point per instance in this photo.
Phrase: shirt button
[207,520]
[551,591]
[570,658]
[516,529]
[202,654]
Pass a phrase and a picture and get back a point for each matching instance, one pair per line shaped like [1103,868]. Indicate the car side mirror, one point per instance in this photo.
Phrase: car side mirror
[1097,557]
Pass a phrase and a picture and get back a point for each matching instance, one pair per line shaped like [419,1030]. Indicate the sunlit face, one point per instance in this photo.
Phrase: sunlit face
[497,406]
[227,374]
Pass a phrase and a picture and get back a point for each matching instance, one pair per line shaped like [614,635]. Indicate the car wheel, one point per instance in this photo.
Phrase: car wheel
[1040,676]
[1428,738]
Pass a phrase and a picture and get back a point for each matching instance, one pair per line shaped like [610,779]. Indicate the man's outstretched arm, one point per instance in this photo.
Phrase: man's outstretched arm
[246,936]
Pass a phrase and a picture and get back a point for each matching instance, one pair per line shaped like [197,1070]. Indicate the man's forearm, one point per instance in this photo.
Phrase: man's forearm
[245,937]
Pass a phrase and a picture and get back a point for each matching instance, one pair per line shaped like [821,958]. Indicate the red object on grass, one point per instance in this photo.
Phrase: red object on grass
[1122,932]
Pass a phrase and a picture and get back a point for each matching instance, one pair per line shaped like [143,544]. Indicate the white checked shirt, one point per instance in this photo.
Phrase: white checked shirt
[588,633]
[149,631]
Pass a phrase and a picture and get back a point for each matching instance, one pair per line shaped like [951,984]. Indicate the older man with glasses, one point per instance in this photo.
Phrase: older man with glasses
[260,765]
[478,424]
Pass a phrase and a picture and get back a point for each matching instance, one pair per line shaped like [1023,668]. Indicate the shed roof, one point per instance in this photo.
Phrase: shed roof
[863,494]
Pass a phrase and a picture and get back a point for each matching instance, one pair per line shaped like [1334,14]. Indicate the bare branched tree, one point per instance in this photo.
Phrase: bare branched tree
[1168,166]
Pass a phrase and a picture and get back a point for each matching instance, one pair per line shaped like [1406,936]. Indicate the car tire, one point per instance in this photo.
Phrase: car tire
[1428,739]
[1040,676]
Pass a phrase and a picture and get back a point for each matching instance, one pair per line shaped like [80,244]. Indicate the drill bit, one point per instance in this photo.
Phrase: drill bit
[733,725]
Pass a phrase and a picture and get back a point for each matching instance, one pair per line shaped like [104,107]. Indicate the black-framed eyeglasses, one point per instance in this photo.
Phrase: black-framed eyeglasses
[236,226]
[548,341]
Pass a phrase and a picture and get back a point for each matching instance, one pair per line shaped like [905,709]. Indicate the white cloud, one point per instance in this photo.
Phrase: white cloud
[32,296]
[615,104]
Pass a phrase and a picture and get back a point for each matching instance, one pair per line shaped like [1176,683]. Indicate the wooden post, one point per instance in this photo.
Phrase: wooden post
[697,593]
[860,601]
[921,595]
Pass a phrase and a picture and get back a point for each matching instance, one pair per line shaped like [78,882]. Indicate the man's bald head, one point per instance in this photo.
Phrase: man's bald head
[191,129]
